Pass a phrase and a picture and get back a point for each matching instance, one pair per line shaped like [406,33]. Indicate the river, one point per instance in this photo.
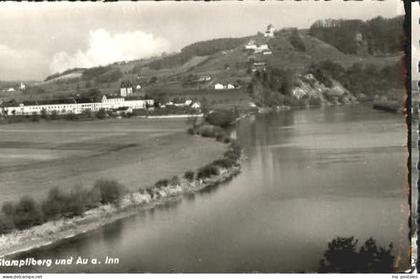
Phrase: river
[310,175]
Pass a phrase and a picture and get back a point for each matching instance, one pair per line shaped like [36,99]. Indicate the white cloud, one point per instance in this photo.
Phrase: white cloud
[105,48]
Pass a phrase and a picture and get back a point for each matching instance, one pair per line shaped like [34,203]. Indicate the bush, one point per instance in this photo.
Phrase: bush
[87,113]
[296,41]
[6,225]
[342,257]
[80,201]
[207,131]
[224,163]
[59,204]
[71,116]
[175,180]
[231,155]
[207,171]
[162,183]
[221,118]
[191,131]
[34,117]
[107,191]
[54,115]
[315,101]
[55,205]
[26,213]
[189,175]
[44,114]
[235,148]
[101,114]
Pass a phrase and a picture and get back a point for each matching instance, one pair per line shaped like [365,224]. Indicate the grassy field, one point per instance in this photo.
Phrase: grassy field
[35,157]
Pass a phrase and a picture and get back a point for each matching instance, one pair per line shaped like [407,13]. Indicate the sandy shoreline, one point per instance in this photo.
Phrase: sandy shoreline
[54,231]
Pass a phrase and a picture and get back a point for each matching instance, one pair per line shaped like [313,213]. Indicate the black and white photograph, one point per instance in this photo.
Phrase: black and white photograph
[208,137]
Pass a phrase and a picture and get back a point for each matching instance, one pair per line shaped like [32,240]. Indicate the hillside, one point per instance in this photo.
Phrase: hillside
[225,60]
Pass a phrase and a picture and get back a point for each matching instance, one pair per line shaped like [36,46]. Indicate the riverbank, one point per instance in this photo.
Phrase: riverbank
[35,157]
[389,106]
[54,231]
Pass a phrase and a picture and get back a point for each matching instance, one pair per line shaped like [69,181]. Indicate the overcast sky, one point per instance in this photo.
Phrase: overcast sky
[37,39]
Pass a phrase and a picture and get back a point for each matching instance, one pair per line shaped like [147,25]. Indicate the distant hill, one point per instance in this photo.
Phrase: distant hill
[226,60]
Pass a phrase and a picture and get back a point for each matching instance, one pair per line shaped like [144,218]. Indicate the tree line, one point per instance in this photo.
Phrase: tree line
[369,79]
[196,49]
[379,35]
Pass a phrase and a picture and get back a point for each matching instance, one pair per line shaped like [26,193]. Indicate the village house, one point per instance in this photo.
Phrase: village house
[188,102]
[196,105]
[126,88]
[251,45]
[261,48]
[204,78]
[219,86]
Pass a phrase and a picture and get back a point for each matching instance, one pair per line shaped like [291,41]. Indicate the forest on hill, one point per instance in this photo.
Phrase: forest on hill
[203,48]
[374,36]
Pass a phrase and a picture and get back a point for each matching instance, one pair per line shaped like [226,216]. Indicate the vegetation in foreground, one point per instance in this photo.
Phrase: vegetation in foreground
[342,256]
[27,212]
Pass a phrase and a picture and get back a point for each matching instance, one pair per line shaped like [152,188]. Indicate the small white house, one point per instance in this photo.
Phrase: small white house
[267,52]
[22,86]
[219,86]
[188,102]
[196,105]
[138,87]
[230,86]
[204,78]
[11,89]
[251,45]
[261,48]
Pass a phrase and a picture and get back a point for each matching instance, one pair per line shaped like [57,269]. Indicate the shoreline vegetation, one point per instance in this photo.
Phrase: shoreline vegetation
[388,106]
[28,224]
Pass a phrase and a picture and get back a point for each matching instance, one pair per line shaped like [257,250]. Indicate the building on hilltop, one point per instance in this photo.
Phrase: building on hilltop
[126,88]
[269,33]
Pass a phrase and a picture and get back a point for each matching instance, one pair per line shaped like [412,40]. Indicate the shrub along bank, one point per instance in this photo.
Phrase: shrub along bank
[27,212]
[87,208]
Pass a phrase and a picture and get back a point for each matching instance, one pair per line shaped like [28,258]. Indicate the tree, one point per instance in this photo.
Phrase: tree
[296,41]
[107,191]
[342,257]
[153,80]
[54,115]
[87,113]
[26,213]
[44,114]
[101,114]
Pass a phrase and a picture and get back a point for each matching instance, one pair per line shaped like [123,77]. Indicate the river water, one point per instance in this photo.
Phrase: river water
[310,175]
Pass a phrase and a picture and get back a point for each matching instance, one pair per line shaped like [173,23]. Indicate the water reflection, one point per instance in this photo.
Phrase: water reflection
[310,175]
